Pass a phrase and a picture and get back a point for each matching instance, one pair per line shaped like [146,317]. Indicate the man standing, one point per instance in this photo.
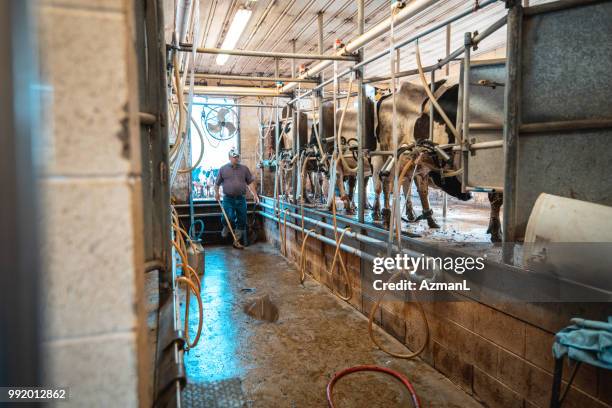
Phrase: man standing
[235,179]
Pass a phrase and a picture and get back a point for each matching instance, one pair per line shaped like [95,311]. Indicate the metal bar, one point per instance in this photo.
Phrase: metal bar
[261,149]
[512,119]
[432,86]
[147,119]
[238,105]
[319,92]
[256,78]
[361,118]
[293,41]
[349,233]
[448,41]
[20,277]
[344,247]
[264,54]
[482,145]
[565,126]
[486,126]
[465,131]
[238,91]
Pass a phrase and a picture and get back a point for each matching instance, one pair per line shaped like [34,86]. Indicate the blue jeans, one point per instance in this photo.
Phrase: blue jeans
[236,210]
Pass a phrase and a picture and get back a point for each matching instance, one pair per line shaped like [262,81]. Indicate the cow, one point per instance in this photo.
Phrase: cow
[346,167]
[286,160]
[412,126]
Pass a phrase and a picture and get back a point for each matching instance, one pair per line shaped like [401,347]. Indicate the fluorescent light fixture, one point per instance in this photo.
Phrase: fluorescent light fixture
[239,23]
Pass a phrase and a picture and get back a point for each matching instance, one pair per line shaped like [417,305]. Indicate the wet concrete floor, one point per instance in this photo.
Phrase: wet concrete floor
[288,363]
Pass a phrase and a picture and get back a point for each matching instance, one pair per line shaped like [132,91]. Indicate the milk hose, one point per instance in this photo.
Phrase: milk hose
[371,322]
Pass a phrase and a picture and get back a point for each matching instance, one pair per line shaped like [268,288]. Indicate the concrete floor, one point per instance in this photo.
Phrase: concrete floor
[288,363]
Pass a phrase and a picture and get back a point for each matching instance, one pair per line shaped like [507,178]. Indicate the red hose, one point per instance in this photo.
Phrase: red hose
[379,369]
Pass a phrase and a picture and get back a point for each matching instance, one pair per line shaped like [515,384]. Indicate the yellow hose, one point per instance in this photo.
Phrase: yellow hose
[339,133]
[302,258]
[338,240]
[191,278]
[371,321]
[200,310]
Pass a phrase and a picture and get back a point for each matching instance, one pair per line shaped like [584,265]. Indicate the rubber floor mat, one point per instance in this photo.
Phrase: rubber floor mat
[215,394]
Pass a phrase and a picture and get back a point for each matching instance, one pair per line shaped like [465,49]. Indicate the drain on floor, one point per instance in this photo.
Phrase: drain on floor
[215,394]
[262,308]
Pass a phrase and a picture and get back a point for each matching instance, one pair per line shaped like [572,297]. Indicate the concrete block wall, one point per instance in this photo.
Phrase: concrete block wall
[93,281]
[499,359]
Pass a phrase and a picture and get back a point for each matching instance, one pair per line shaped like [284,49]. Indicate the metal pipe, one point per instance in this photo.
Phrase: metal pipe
[465,109]
[238,105]
[361,116]
[349,233]
[319,92]
[237,91]
[344,247]
[512,117]
[383,27]
[565,125]
[255,78]
[147,119]
[184,47]
[293,59]
[448,41]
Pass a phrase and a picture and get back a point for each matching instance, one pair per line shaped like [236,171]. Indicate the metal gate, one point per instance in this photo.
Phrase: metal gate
[540,121]
[483,157]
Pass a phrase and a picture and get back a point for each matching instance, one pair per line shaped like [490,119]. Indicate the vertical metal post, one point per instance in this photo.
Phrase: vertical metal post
[448,45]
[295,131]
[431,107]
[262,132]
[293,73]
[512,122]
[20,319]
[319,93]
[465,108]
[276,136]
[361,119]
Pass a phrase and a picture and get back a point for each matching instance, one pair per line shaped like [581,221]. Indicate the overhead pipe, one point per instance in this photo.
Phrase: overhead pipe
[255,78]
[237,91]
[356,43]
[253,53]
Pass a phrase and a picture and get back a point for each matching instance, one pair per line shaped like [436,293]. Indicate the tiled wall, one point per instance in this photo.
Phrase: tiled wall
[94,340]
[497,358]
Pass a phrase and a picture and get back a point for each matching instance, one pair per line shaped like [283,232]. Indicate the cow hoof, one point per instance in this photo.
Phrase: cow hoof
[376,216]
[410,215]
[496,238]
[432,223]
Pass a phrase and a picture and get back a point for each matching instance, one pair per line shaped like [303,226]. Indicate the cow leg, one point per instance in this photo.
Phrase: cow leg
[352,181]
[386,211]
[377,192]
[410,215]
[423,189]
[343,195]
[367,204]
[496,200]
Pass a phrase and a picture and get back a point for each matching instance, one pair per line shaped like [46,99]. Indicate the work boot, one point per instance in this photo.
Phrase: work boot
[242,234]
[224,232]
